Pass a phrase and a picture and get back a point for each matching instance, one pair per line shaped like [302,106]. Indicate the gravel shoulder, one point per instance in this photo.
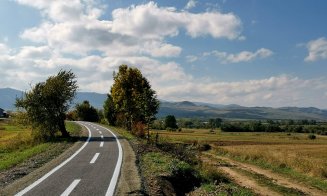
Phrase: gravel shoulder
[130,180]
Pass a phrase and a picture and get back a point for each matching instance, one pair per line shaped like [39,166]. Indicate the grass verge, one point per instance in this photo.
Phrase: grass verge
[17,144]
[9,159]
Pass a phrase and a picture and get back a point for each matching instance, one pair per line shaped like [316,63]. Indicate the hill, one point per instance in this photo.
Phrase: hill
[203,110]
[187,109]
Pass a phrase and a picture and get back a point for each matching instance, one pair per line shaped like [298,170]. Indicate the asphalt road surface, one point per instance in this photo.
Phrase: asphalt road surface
[91,170]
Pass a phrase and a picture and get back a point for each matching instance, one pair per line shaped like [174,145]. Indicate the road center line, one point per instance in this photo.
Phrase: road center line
[101,144]
[22,192]
[94,158]
[71,187]
[100,132]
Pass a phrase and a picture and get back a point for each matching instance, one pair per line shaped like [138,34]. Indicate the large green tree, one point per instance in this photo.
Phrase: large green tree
[170,122]
[134,100]
[47,102]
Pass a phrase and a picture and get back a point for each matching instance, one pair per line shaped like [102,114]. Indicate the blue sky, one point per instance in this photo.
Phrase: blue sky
[252,53]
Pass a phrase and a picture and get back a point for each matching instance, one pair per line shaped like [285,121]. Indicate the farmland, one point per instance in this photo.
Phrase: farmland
[290,155]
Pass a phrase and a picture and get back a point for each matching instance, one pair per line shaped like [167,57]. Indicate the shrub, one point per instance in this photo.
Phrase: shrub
[184,177]
[204,147]
[170,129]
[138,129]
[312,136]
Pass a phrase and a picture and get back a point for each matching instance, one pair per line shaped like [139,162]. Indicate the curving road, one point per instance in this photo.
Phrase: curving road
[91,170]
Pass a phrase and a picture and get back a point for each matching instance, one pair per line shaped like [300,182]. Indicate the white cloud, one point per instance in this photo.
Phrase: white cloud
[4,49]
[190,4]
[244,56]
[317,50]
[33,52]
[151,21]
[191,58]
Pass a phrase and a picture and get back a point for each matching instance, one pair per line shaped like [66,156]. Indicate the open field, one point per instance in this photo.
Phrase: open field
[239,138]
[292,155]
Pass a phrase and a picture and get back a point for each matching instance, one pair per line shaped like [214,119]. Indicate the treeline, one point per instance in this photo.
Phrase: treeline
[213,123]
[298,126]
[85,112]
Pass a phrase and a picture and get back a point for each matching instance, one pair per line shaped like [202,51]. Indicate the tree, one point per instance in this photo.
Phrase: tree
[86,112]
[170,122]
[149,104]
[47,102]
[134,100]
[109,110]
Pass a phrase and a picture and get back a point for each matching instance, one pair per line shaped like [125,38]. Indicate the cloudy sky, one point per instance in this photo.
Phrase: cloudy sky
[252,53]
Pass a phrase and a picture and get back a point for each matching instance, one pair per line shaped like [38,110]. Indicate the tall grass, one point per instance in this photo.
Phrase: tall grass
[308,159]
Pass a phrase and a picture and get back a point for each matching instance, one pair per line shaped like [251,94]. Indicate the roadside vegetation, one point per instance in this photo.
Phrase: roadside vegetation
[37,133]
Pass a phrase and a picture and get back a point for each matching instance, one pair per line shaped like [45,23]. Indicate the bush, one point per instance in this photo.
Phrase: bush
[312,136]
[170,129]
[204,147]
[184,177]
[138,130]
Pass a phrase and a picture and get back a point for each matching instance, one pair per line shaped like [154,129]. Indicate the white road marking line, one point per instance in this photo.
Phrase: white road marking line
[97,129]
[22,192]
[100,132]
[101,136]
[115,175]
[101,144]
[71,187]
[94,158]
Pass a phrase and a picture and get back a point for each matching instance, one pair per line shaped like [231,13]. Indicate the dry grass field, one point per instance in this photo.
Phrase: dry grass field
[293,155]
[305,158]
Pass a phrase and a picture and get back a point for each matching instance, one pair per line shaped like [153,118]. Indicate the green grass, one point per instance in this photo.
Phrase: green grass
[16,143]
[7,160]
[156,163]
[126,134]
[73,128]
[223,189]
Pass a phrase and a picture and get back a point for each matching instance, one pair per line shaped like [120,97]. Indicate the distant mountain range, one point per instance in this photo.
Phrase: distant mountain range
[186,109]
[8,97]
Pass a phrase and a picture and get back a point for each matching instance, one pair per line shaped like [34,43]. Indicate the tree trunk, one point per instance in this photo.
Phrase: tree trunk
[62,129]
[148,129]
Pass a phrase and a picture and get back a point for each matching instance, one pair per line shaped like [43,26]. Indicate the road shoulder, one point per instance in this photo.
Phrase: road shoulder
[129,181]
